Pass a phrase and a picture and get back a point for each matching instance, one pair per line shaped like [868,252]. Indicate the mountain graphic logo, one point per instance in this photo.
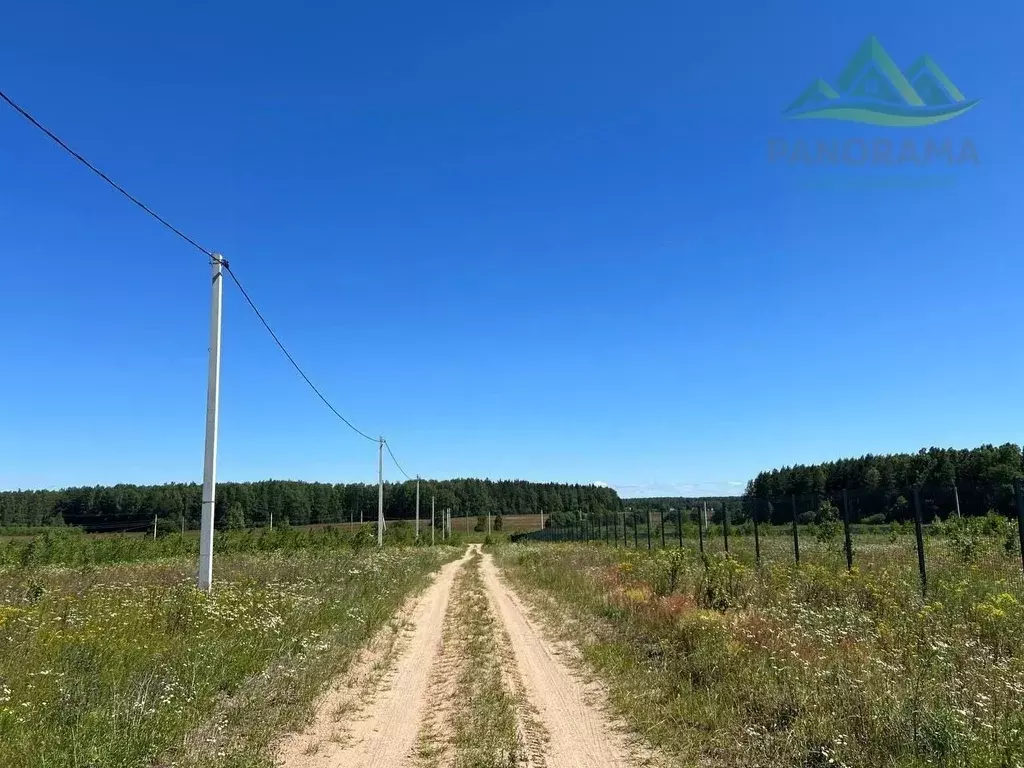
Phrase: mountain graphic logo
[872,89]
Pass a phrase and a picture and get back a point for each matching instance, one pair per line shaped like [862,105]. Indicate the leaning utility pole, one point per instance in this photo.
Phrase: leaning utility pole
[431,521]
[205,576]
[380,492]
[417,507]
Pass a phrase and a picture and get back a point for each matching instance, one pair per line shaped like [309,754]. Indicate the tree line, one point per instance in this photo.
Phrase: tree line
[241,505]
[875,488]
[879,488]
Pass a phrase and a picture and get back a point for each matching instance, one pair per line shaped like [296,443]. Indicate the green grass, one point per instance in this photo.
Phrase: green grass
[726,664]
[68,546]
[129,665]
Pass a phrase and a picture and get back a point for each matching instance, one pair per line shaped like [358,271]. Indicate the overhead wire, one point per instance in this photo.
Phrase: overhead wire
[63,145]
[388,446]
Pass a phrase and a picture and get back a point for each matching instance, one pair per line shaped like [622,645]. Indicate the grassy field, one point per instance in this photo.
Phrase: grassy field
[721,663]
[129,665]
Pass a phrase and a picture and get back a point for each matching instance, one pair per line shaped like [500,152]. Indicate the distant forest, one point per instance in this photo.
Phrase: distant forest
[241,505]
[878,488]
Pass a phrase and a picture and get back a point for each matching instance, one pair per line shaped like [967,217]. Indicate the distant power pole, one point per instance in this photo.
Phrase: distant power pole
[271,519]
[488,522]
[154,527]
[205,576]
[432,521]
[542,519]
[380,492]
[417,507]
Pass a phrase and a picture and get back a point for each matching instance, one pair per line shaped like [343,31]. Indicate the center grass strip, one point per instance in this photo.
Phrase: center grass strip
[473,722]
[132,666]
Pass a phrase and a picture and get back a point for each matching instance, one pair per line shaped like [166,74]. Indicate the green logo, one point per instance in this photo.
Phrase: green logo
[872,89]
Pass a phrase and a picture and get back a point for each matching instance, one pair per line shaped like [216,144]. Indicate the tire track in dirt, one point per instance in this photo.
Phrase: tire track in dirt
[471,681]
[579,734]
[383,733]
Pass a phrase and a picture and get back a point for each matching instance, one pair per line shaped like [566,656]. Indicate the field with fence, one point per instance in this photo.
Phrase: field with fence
[931,541]
[721,661]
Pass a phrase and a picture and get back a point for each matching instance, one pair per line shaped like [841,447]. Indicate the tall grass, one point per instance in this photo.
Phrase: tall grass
[722,663]
[129,665]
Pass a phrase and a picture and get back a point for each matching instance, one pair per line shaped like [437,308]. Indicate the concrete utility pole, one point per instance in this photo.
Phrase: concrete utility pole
[380,492]
[205,576]
[431,521]
[154,527]
[271,520]
[417,507]
[542,519]
[488,522]
[956,493]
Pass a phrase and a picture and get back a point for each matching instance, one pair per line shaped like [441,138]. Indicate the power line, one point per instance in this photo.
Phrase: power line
[63,145]
[292,359]
[388,446]
[17,108]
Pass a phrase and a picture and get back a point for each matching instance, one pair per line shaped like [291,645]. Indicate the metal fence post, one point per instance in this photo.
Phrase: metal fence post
[919,529]
[1019,486]
[757,538]
[725,525]
[700,529]
[846,531]
[796,535]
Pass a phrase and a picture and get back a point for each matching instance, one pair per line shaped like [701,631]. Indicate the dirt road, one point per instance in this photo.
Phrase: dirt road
[407,701]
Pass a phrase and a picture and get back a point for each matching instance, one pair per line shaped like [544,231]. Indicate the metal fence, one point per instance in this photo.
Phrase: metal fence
[935,531]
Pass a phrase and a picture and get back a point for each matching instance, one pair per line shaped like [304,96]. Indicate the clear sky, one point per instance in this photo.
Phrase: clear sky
[542,240]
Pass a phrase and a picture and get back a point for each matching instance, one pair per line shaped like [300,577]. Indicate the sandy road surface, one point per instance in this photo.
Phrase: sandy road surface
[383,734]
[579,734]
[574,732]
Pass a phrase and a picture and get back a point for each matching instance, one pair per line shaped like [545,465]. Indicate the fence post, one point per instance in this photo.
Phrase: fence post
[1019,486]
[919,529]
[700,528]
[796,535]
[725,525]
[757,538]
[648,528]
[846,531]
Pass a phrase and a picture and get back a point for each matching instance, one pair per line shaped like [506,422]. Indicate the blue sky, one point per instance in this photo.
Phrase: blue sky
[540,240]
